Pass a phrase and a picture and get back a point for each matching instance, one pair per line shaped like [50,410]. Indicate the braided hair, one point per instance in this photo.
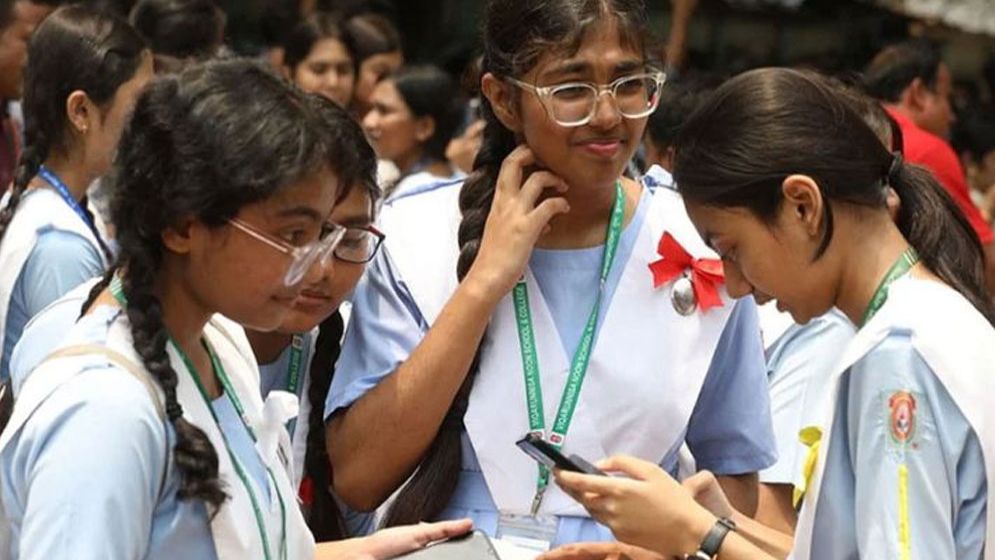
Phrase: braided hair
[77,48]
[203,144]
[516,34]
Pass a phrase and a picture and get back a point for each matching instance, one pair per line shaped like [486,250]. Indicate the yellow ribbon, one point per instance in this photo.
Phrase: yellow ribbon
[811,436]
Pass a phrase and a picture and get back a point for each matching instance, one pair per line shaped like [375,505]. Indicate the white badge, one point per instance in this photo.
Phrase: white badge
[532,532]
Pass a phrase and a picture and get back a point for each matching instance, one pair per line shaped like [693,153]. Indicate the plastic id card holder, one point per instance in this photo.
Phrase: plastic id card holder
[527,531]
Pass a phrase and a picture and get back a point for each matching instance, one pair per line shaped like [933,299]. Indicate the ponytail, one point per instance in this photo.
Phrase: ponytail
[433,485]
[938,230]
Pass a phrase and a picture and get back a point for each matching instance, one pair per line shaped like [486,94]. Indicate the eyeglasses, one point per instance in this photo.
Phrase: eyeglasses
[574,104]
[359,244]
[303,257]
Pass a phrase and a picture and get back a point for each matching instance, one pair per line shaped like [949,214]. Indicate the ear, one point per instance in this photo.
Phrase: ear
[500,95]
[424,128]
[79,112]
[180,238]
[918,94]
[803,204]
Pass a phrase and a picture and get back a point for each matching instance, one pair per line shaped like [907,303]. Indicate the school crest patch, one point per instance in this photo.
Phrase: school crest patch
[902,425]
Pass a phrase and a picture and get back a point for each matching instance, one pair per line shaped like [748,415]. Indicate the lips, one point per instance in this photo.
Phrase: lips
[311,300]
[604,147]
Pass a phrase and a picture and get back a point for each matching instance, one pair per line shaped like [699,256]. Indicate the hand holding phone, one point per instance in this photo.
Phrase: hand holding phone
[547,454]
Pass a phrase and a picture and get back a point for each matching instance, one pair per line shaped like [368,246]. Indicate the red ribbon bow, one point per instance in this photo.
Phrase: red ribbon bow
[706,274]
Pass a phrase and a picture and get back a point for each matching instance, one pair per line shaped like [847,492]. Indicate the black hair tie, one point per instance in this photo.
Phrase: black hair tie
[173,410]
[896,165]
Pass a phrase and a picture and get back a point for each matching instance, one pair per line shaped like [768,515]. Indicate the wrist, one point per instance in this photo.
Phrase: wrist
[697,527]
[483,289]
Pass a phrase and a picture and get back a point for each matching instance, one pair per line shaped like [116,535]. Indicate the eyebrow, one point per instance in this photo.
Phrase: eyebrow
[355,221]
[300,211]
[579,66]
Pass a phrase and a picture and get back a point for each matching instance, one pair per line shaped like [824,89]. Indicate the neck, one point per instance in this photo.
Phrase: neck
[267,346]
[587,221]
[871,256]
[72,173]
[440,168]
[184,316]
[407,163]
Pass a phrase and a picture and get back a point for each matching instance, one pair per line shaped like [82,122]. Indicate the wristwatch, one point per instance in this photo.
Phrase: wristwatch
[709,548]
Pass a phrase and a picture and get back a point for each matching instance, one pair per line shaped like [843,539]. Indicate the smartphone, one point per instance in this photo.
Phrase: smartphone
[544,452]
[472,546]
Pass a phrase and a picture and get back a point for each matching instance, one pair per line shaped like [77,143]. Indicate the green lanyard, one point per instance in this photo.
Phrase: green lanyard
[581,358]
[296,361]
[118,292]
[294,371]
[905,262]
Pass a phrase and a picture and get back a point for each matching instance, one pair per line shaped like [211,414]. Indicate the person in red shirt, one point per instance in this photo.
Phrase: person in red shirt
[912,82]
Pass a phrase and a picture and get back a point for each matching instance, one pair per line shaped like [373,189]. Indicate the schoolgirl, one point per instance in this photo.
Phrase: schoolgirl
[319,59]
[220,194]
[899,462]
[438,379]
[299,357]
[86,68]
[413,116]
[376,46]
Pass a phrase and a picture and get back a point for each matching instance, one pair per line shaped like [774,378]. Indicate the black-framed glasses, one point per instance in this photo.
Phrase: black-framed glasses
[359,244]
[575,103]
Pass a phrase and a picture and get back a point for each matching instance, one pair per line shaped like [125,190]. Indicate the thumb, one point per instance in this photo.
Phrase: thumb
[699,482]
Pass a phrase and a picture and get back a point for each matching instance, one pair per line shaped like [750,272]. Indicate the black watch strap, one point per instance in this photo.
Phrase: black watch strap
[710,545]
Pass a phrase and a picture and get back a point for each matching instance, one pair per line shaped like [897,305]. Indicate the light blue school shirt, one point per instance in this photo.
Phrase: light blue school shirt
[274,376]
[59,261]
[82,479]
[729,431]
[857,512]
[798,363]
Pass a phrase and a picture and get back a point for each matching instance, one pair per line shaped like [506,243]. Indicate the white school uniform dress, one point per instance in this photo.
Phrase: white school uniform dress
[87,467]
[656,379]
[415,183]
[70,255]
[908,436]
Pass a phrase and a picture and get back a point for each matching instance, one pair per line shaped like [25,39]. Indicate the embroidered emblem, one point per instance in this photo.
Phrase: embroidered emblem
[903,417]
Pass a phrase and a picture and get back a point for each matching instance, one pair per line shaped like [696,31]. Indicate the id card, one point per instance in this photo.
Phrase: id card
[532,532]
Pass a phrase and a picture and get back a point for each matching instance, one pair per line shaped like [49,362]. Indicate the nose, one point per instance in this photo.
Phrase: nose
[370,121]
[606,112]
[736,284]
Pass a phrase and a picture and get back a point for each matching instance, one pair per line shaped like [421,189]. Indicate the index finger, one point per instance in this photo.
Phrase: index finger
[589,483]
[513,168]
[445,529]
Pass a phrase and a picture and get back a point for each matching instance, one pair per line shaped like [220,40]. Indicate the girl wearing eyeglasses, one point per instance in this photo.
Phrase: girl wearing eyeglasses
[413,116]
[86,69]
[299,357]
[900,452]
[587,309]
[144,436]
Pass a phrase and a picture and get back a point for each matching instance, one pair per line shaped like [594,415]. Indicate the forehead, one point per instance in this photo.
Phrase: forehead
[30,13]
[603,48]
[330,49]
[713,222]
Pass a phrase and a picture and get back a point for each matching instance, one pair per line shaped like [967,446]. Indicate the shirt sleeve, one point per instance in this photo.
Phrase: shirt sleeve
[913,455]
[86,471]
[729,432]
[798,363]
[385,327]
[59,262]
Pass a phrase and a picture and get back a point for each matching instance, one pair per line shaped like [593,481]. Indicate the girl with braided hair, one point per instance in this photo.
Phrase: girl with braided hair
[502,307]
[313,148]
[85,69]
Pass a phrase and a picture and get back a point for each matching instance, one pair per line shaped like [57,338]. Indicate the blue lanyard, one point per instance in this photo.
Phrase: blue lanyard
[63,190]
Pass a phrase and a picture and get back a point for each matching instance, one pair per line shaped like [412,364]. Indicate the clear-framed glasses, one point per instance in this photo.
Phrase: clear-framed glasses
[301,258]
[359,244]
[574,103]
